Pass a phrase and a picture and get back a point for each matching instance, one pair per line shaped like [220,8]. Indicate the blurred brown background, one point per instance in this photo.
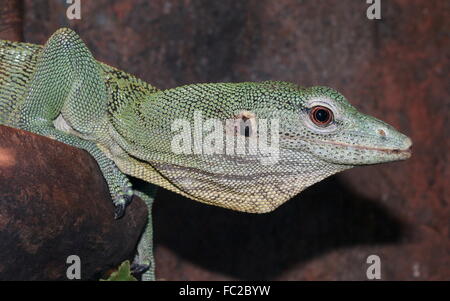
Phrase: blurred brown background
[396,69]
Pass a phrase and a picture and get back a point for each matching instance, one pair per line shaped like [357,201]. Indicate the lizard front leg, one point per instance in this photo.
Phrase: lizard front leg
[67,84]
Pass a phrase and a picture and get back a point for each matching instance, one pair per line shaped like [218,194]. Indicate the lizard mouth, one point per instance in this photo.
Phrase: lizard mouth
[407,152]
[403,153]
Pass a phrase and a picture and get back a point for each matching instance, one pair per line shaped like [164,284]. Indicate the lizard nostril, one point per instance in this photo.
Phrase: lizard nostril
[382,132]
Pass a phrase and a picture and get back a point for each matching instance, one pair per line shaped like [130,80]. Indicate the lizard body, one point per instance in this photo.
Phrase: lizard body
[60,91]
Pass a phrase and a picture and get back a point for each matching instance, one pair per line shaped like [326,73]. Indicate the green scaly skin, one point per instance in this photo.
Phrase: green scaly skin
[60,91]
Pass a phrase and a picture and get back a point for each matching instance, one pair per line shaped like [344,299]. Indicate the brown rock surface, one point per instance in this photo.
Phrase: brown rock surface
[54,203]
[11,16]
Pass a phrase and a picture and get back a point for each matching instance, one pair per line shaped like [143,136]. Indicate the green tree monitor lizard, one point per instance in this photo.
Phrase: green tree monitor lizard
[60,91]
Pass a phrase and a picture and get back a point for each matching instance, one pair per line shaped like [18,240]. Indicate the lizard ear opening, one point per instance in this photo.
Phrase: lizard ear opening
[243,124]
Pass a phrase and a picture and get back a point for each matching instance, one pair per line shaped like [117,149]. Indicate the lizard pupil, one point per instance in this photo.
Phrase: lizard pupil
[321,116]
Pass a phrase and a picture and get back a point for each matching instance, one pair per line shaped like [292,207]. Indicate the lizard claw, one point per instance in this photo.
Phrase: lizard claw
[119,211]
[128,196]
[139,269]
[122,200]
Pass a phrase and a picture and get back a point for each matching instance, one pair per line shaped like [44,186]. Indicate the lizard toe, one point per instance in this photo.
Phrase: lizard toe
[139,269]
[119,211]
[128,194]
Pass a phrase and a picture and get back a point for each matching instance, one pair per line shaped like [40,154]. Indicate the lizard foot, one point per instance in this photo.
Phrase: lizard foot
[128,193]
[119,210]
[138,269]
[122,200]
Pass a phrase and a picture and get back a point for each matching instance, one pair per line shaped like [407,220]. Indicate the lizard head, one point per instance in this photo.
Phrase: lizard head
[325,125]
[253,146]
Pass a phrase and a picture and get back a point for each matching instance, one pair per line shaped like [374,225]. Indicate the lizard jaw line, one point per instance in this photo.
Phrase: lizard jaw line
[405,153]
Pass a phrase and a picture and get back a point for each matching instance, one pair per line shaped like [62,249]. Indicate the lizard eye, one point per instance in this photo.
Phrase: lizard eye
[321,116]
